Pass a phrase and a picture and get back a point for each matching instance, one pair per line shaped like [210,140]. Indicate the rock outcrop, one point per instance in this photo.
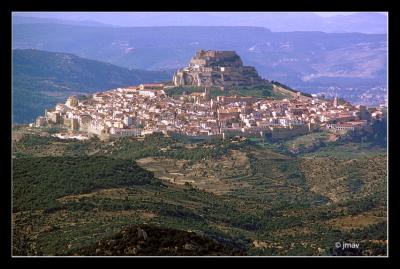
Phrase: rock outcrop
[148,240]
[217,68]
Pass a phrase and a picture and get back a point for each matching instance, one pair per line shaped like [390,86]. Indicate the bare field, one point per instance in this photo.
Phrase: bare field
[359,221]
[209,175]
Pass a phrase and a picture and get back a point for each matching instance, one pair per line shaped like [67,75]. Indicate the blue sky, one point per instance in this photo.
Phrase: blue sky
[92,15]
[330,14]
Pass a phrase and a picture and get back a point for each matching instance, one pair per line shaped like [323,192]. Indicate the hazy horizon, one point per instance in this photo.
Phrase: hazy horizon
[364,22]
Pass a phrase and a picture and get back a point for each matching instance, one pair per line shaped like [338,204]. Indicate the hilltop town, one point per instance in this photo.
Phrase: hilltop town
[147,108]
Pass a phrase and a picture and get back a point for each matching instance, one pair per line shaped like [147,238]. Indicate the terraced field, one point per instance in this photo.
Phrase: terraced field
[346,179]
[254,198]
[218,176]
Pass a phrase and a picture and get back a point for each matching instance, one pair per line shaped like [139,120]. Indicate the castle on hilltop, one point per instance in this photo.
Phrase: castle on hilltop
[217,68]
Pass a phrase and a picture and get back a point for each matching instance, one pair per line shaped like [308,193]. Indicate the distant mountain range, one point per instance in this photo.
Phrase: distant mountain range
[303,60]
[41,79]
[28,20]
[361,22]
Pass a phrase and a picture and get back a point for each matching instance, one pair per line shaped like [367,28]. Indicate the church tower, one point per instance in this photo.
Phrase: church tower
[206,93]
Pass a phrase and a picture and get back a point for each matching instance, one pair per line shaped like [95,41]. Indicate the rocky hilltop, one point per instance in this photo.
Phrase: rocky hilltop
[148,240]
[217,68]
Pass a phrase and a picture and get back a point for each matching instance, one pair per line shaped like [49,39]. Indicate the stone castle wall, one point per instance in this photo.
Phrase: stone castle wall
[283,133]
[217,68]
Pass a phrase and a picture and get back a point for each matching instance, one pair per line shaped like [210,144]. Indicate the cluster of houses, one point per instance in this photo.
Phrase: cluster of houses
[146,109]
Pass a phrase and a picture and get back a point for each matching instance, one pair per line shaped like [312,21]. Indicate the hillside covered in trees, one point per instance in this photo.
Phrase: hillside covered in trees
[254,197]
[41,79]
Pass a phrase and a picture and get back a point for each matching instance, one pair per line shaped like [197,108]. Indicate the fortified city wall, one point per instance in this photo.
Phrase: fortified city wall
[217,68]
